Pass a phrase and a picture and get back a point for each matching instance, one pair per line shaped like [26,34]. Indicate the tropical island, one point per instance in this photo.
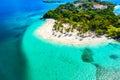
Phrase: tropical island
[81,22]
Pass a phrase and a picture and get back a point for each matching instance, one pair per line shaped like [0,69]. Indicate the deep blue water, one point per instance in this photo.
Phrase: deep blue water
[15,17]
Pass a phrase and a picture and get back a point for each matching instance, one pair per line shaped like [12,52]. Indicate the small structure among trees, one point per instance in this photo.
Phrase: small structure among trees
[99,6]
[101,20]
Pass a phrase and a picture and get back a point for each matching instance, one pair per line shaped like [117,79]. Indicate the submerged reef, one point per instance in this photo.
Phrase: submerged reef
[87,55]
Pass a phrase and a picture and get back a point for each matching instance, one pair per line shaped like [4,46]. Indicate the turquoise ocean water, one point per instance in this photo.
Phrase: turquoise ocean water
[23,56]
[49,61]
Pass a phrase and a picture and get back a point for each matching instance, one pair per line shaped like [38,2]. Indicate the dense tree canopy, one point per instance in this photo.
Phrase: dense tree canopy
[100,21]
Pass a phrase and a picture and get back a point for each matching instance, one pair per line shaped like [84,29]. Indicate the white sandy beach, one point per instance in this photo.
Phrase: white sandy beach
[45,31]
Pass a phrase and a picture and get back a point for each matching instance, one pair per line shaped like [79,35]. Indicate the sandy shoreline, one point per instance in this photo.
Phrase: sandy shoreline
[45,32]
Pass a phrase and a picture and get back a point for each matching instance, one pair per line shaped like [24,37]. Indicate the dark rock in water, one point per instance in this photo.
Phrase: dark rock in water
[113,56]
[87,55]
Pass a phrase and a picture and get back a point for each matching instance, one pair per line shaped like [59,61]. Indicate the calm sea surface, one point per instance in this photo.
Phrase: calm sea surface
[25,57]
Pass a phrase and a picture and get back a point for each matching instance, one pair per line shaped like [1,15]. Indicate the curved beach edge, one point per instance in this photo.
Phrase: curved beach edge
[46,32]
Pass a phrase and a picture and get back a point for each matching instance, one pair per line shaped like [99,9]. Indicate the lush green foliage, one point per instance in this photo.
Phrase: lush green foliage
[83,17]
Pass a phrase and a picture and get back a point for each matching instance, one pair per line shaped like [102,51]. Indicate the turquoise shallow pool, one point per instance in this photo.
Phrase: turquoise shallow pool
[49,61]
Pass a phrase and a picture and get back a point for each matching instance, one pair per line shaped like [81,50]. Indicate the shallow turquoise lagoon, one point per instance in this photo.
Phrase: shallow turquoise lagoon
[42,59]
[49,61]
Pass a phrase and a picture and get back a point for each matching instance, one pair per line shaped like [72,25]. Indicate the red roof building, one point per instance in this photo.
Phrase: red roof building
[99,6]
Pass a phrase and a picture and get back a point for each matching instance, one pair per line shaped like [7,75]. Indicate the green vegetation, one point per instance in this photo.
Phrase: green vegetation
[84,18]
